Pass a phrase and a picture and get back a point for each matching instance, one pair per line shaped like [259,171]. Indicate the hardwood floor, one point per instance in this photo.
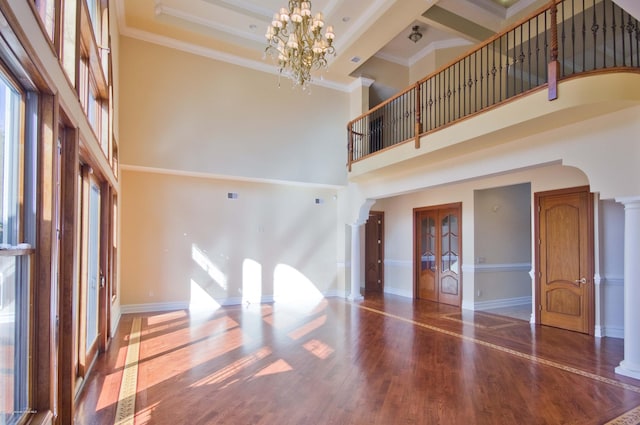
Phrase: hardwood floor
[385,360]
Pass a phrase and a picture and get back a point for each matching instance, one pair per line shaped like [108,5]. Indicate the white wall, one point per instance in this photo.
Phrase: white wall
[179,231]
[611,247]
[502,245]
[185,112]
[193,129]
[399,230]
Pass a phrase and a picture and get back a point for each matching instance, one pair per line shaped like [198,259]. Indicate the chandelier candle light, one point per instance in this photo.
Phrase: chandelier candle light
[295,38]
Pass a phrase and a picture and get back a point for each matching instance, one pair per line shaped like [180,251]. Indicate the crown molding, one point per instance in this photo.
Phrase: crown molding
[125,30]
[211,176]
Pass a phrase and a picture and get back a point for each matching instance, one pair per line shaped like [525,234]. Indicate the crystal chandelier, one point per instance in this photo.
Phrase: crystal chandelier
[295,38]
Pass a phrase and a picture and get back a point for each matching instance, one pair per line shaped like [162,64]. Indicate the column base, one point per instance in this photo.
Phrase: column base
[358,297]
[632,371]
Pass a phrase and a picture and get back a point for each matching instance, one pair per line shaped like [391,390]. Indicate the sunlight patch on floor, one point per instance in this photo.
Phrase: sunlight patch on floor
[234,368]
[307,327]
[110,381]
[170,316]
[318,349]
[145,416]
[279,366]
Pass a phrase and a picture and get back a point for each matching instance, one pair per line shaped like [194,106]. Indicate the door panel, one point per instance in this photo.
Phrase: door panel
[374,252]
[88,293]
[449,254]
[565,265]
[438,243]
[93,265]
[427,252]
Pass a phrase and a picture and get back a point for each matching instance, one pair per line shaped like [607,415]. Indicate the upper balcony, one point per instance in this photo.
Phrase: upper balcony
[462,105]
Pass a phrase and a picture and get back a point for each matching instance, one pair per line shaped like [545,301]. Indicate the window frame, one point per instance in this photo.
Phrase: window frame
[24,243]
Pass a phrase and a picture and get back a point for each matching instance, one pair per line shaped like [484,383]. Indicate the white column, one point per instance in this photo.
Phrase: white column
[356,263]
[630,366]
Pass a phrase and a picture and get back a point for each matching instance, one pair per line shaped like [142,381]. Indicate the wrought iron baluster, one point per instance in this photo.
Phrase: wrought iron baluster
[481,77]
[563,38]
[493,73]
[464,86]
[546,47]
[522,58]
[573,37]
[584,37]
[637,30]
[537,50]
[604,35]
[594,30]
[613,34]
[458,96]
[623,38]
[529,52]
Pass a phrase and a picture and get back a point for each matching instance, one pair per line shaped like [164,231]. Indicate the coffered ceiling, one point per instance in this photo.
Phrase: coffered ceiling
[233,30]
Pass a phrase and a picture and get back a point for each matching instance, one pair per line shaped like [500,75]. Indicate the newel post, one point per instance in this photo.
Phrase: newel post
[418,126]
[554,65]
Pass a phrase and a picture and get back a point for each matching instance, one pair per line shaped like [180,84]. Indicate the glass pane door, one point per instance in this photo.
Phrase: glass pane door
[93,264]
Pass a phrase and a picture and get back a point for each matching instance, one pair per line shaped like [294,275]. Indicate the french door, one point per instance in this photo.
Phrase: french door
[88,294]
[437,254]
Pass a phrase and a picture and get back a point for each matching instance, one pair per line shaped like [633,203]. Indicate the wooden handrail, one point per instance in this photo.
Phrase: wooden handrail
[508,64]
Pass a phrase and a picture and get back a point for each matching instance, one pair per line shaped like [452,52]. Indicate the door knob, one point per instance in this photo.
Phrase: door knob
[583,280]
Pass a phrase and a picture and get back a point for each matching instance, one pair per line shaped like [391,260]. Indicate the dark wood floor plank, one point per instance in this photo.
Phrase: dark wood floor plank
[386,360]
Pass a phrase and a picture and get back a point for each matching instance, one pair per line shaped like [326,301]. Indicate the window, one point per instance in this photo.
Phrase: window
[46,12]
[16,225]
[69,29]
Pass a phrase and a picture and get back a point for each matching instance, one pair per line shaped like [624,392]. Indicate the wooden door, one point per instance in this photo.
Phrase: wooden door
[88,301]
[374,252]
[438,247]
[449,256]
[565,286]
[427,254]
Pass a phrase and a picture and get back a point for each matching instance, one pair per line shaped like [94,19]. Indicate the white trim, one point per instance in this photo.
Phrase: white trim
[503,302]
[614,280]
[115,323]
[609,331]
[361,82]
[467,305]
[181,173]
[467,268]
[397,263]
[334,293]
[246,7]
[399,292]
[220,56]
[198,20]
[504,267]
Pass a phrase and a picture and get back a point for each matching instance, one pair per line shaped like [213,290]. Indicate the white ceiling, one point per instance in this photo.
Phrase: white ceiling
[233,30]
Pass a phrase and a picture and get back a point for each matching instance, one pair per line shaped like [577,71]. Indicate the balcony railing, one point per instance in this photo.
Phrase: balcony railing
[566,38]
